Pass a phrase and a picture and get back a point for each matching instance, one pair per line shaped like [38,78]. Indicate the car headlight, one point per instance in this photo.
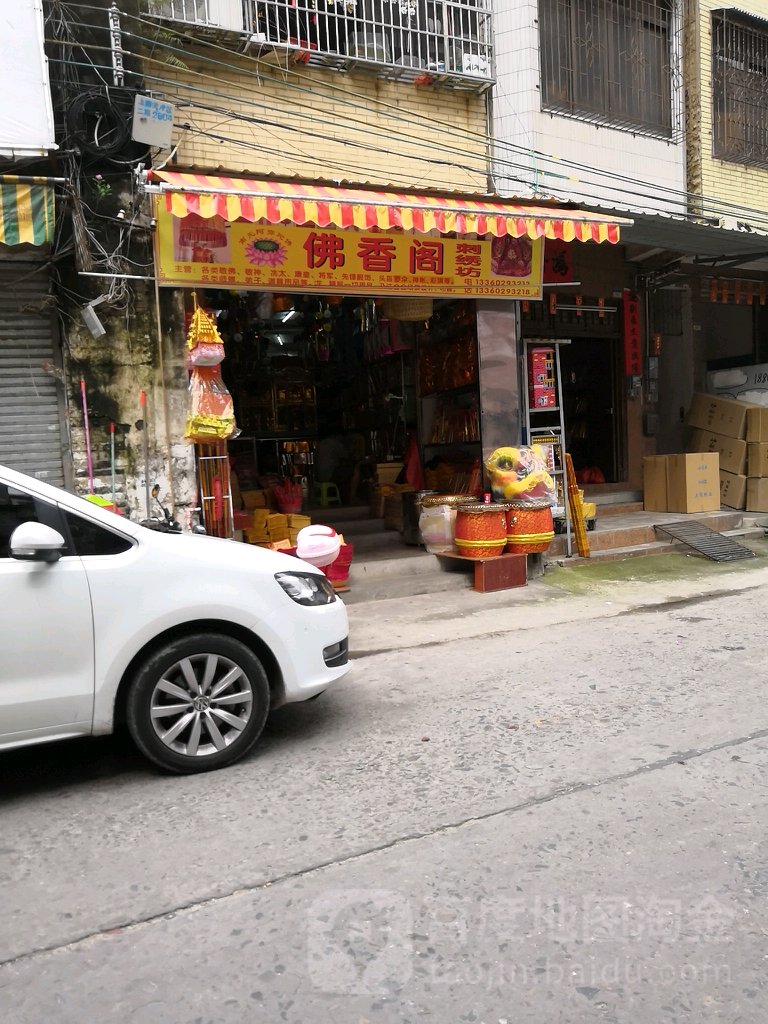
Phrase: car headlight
[306,588]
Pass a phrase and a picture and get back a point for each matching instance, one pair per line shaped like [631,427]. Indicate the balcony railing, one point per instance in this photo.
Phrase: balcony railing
[445,41]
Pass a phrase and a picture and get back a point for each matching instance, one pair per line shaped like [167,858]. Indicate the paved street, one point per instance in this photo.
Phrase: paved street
[560,821]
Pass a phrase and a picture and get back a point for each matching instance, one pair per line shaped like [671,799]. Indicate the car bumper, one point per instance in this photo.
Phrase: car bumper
[311,647]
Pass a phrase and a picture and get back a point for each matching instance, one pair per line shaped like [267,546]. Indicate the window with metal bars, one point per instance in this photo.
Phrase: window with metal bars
[608,60]
[739,88]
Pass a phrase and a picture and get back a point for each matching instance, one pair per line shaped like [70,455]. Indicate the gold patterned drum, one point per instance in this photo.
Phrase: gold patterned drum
[530,529]
[481,530]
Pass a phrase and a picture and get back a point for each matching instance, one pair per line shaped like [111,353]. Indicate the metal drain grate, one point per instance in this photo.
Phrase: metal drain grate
[707,542]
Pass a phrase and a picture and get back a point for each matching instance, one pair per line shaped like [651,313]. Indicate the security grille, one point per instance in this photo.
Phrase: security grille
[31,434]
[611,60]
[739,88]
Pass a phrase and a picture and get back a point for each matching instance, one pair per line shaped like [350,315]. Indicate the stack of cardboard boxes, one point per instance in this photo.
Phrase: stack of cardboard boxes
[261,524]
[681,483]
[757,459]
[273,529]
[738,433]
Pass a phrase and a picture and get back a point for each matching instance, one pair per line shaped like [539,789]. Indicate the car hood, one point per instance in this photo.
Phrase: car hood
[191,547]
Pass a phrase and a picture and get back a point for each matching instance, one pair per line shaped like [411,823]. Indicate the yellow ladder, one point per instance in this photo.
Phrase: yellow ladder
[577,511]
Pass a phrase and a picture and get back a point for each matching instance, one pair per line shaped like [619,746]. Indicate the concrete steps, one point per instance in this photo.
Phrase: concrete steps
[655,547]
[614,536]
[427,580]
[385,568]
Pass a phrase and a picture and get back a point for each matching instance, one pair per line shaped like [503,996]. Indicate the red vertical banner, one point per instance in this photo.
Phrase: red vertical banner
[633,348]
[558,265]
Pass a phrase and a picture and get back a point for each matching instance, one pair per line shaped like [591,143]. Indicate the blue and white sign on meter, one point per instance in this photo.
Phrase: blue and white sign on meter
[152,122]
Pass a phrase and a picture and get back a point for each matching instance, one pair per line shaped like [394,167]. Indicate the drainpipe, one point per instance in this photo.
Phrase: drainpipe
[490,155]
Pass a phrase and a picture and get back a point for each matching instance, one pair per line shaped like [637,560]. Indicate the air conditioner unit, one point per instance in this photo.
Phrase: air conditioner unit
[222,14]
[226,14]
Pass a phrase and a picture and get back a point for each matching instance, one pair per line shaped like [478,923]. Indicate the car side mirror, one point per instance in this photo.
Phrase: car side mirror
[36,542]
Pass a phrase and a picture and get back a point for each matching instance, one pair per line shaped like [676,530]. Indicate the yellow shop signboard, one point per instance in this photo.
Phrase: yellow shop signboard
[217,254]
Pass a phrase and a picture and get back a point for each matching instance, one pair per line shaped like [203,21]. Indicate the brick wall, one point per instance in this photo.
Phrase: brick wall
[351,127]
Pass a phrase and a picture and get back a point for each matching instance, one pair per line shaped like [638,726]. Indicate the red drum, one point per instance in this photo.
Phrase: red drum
[529,527]
[481,530]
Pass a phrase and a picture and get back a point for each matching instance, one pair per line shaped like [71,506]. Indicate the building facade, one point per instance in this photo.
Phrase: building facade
[653,108]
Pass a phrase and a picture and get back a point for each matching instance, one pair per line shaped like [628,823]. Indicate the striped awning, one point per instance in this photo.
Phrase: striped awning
[326,206]
[26,210]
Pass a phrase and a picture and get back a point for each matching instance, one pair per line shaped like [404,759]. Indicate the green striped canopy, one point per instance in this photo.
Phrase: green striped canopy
[26,213]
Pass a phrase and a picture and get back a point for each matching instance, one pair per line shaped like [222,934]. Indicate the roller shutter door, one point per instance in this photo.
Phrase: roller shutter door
[30,404]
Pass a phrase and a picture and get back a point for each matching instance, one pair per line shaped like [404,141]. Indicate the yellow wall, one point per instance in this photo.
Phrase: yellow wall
[721,179]
[319,135]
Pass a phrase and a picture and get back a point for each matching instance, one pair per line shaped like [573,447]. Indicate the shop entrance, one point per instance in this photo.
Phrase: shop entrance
[594,417]
[323,389]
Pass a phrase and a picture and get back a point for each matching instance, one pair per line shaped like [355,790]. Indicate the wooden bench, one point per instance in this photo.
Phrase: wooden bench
[500,572]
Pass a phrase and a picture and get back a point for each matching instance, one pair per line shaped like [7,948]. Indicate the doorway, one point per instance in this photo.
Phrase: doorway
[594,414]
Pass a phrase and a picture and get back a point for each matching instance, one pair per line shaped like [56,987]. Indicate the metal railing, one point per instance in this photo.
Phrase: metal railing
[434,37]
[449,41]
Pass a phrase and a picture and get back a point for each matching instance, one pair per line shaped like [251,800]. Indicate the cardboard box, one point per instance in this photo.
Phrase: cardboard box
[718,415]
[543,397]
[757,494]
[255,499]
[297,522]
[732,450]
[542,366]
[733,489]
[655,483]
[757,424]
[757,460]
[255,536]
[693,482]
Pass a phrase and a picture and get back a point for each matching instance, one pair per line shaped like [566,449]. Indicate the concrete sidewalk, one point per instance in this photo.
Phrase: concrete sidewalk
[582,591]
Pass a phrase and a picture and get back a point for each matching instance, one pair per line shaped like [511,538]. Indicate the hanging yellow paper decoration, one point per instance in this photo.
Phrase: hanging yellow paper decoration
[204,342]
[212,416]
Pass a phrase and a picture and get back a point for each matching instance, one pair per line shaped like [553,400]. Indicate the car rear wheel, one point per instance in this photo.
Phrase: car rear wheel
[198,703]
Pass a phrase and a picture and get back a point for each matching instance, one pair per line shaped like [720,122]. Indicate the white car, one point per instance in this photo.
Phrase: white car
[190,640]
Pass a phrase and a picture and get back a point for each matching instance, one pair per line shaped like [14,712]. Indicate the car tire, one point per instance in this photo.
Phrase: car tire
[198,703]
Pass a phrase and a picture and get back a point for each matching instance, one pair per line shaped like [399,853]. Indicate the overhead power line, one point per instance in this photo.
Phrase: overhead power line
[517,164]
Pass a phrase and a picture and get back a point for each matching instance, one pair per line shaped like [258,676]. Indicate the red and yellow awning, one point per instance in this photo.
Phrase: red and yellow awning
[326,206]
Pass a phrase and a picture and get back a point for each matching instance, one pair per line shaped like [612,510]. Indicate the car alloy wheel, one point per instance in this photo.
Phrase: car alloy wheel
[201,705]
[198,703]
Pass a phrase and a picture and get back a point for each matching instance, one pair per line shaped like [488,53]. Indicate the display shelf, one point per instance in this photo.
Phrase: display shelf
[552,433]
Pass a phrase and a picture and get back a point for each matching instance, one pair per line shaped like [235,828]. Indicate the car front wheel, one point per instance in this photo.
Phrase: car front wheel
[198,703]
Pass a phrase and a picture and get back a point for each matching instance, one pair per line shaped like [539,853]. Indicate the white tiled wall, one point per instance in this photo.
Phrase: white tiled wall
[529,132]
